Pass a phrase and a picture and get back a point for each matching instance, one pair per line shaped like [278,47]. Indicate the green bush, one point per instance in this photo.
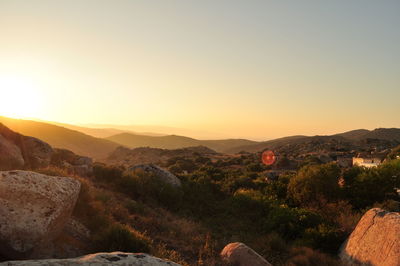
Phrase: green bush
[315,183]
[149,188]
[120,238]
[106,173]
[324,237]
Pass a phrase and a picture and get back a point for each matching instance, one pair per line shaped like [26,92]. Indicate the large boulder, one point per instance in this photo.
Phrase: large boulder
[238,254]
[157,171]
[37,153]
[10,155]
[34,152]
[33,210]
[375,240]
[99,259]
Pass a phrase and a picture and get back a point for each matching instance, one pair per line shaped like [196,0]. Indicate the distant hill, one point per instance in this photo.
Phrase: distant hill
[61,137]
[354,137]
[176,142]
[101,132]
[129,157]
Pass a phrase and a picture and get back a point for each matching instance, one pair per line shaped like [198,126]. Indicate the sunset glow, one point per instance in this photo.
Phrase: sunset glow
[259,71]
[20,98]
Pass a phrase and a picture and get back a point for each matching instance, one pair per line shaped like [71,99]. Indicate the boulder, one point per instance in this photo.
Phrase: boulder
[10,155]
[74,164]
[33,210]
[35,153]
[238,254]
[374,241]
[99,259]
[38,153]
[157,171]
[73,241]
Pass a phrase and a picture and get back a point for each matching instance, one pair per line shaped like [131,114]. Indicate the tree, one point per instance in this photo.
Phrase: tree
[315,184]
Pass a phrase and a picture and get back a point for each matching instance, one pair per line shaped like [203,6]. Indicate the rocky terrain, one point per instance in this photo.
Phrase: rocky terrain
[34,211]
[241,255]
[155,170]
[98,259]
[183,206]
[61,137]
[22,152]
[375,240]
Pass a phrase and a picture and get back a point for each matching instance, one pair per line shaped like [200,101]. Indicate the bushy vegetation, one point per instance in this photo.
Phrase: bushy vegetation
[295,220]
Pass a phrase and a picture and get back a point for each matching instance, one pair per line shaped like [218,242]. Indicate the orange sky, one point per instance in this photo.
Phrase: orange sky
[258,70]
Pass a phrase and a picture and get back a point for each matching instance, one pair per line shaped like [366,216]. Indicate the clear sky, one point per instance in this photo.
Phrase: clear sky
[256,69]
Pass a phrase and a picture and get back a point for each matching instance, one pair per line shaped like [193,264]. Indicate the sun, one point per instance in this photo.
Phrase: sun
[20,98]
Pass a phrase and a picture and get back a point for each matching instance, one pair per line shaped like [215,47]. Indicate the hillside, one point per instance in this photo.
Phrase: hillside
[60,137]
[101,132]
[176,142]
[354,138]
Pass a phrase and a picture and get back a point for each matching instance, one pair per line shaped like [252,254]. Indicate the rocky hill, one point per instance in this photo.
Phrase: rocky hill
[60,137]
[362,139]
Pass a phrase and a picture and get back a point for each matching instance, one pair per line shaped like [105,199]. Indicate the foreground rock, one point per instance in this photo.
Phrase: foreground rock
[238,254]
[10,155]
[18,151]
[99,259]
[162,174]
[375,240]
[33,210]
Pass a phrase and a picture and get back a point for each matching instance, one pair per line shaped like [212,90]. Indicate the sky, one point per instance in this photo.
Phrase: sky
[251,69]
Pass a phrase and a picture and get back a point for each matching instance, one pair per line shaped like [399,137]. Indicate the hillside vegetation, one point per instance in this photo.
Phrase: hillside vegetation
[176,142]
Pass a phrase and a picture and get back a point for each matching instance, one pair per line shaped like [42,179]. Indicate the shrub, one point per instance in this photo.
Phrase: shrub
[313,183]
[106,173]
[324,237]
[149,188]
[118,237]
[303,256]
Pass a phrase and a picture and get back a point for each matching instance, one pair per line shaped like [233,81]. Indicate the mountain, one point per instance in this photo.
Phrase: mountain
[176,142]
[354,137]
[61,137]
[129,157]
[101,132]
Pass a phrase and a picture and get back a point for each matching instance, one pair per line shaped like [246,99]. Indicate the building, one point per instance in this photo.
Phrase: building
[368,160]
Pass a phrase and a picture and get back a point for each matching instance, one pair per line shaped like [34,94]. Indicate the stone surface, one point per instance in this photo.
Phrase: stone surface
[74,164]
[35,153]
[238,254]
[33,210]
[10,155]
[163,174]
[38,153]
[375,240]
[99,259]
[73,241]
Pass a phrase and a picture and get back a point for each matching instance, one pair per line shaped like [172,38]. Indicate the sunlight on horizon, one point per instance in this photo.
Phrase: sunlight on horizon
[260,70]
[20,97]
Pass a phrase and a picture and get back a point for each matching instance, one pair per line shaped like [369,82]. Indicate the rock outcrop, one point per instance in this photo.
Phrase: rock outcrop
[157,171]
[99,259]
[10,155]
[33,210]
[375,240]
[239,254]
[13,146]
[72,163]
